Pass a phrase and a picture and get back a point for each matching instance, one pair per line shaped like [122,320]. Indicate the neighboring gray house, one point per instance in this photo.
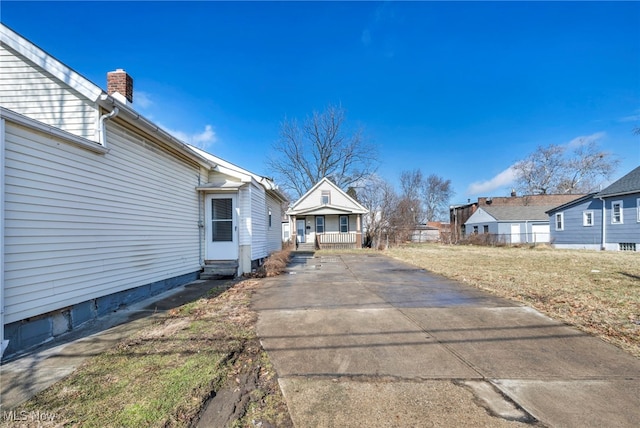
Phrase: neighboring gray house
[579,224]
[512,224]
[100,207]
[326,217]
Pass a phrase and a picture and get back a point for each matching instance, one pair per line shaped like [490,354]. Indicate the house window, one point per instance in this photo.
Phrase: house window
[485,229]
[587,218]
[560,221]
[344,224]
[270,219]
[475,230]
[326,197]
[616,212]
[320,224]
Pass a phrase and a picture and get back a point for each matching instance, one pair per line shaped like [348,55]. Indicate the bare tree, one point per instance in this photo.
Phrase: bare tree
[319,147]
[540,172]
[379,197]
[436,193]
[554,169]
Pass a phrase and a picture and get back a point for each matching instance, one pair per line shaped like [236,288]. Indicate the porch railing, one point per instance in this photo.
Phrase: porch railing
[337,241]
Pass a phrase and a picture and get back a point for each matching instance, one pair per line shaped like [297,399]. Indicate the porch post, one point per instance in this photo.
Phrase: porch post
[294,229]
[359,231]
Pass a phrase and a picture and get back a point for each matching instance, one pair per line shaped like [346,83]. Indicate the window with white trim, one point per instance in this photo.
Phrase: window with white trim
[344,223]
[320,224]
[325,197]
[587,218]
[559,221]
[616,212]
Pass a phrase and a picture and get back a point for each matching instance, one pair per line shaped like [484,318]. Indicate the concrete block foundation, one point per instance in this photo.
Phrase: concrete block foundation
[28,333]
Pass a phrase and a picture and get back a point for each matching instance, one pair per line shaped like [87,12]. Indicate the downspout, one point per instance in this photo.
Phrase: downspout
[102,132]
[604,225]
[201,237]
[3,343]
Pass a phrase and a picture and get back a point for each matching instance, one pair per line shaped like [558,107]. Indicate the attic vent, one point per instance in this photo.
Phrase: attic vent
[627,246]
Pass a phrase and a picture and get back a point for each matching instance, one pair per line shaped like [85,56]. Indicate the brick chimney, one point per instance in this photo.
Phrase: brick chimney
[120,83]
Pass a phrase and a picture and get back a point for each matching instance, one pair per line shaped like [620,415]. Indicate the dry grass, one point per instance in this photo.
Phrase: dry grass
[598,292]
[164,373]
[274,265]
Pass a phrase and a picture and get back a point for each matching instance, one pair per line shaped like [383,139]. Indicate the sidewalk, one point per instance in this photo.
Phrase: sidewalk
[364,340]
[32,372]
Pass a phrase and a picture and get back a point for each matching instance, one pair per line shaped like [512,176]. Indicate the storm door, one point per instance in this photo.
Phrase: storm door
[221,227]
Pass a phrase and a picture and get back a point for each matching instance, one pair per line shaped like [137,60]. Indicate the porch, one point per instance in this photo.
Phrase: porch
[338,241]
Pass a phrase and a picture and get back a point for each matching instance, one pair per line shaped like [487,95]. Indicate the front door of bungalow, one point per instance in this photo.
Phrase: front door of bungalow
[221,227]
[300,231]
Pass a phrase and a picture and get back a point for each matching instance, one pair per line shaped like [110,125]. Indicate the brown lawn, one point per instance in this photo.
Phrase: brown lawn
[596,291]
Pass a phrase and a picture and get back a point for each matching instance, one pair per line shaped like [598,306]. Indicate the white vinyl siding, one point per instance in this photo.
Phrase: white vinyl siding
[259,223]
[81,225]
[315,198]
[29,90]
[274,234]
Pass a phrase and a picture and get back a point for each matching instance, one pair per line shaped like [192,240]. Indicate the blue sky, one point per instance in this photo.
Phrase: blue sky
[457,89]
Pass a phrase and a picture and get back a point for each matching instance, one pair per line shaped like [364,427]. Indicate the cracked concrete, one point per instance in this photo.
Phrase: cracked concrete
[364,340]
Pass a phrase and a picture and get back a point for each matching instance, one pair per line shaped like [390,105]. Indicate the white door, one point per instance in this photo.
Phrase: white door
[540,232]
[221,228]
[515,233]
[300,231]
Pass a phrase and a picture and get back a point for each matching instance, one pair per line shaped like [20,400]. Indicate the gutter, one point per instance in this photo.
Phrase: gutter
[102,131]
[145,124]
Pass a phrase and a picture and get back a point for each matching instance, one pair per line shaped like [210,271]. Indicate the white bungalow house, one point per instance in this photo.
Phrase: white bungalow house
[579,224]
[100,207]
[513,224]
[326,217]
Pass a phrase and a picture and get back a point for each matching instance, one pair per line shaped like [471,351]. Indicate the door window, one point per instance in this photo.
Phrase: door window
[222,220]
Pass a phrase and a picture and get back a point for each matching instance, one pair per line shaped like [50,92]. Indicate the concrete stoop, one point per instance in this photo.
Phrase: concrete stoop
[218,269]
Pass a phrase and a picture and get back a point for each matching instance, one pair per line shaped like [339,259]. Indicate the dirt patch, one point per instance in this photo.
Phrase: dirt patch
[251,396]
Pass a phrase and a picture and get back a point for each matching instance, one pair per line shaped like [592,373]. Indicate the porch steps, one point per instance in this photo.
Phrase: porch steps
[218,269]
[306,246]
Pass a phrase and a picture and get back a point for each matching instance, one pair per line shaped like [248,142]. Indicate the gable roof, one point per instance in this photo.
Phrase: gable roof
[243,175]
[630,183]
[47,62]
[572,203]
[514,213]
[353,208]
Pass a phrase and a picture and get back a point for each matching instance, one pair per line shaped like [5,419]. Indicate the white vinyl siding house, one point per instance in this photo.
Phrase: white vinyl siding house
[101,207]
[69,219]
[511,224]
[326,217]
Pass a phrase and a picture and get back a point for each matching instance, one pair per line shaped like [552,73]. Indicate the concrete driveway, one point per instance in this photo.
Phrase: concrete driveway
[365,340]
